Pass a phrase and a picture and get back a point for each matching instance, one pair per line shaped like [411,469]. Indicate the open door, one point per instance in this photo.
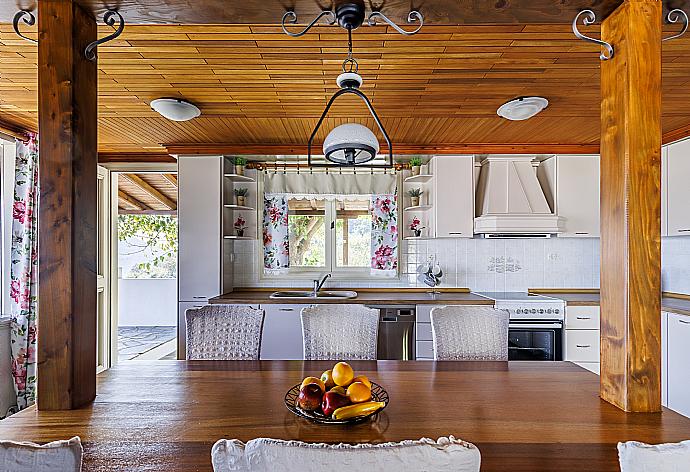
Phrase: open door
[103,287]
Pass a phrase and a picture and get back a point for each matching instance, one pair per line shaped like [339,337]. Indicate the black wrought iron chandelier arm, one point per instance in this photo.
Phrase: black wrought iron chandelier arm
[674,16]
[28,18]
[589,18]
[413,17]
[109,19]
[361,95]
[290,17]
[323,116]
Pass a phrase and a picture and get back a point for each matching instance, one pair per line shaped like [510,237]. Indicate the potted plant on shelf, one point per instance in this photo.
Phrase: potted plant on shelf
[416,227]
[241,195]
[415,165]
[414,194]
[240,225]
[239,162]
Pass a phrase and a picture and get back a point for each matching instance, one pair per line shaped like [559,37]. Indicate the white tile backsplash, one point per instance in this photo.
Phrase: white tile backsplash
[675,264]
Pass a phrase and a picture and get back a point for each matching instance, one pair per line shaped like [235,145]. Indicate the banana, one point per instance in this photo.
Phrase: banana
[358,409]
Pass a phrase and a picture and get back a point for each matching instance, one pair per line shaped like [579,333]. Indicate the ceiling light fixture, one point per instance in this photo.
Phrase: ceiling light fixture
[522,108]
[351,144]
[175,109]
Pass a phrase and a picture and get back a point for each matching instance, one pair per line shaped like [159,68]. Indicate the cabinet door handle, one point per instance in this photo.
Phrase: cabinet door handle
[684,322]
[454,232]
[583,346]
[200,297]
[583,317]
[581,232]
[286,309]
[684,230]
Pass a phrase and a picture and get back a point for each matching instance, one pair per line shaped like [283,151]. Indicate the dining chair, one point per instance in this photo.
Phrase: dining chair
[62,456]
[640,457]
[224,332]
[275,455]
[469,333]
[339,332]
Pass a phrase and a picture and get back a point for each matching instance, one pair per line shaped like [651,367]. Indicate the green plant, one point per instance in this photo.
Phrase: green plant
[415,192]
[239,161]
[241,192]
[153,234]
[415,161]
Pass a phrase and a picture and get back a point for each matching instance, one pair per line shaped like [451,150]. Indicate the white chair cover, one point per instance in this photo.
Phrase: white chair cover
[224,332]
[274,455]
[340,332]
[57,456]
[640,457]
[470,333]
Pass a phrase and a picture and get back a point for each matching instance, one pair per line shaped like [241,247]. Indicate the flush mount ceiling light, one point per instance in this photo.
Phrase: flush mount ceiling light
[175,109]
[351,144]
[522,108]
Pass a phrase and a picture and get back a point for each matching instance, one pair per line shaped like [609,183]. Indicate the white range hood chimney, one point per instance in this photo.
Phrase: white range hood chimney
[510,200]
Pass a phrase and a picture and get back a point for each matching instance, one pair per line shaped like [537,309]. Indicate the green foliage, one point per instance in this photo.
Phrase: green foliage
[241,192]
[415,161]
[415,192]
[307,240]
[239,161]
[157,233]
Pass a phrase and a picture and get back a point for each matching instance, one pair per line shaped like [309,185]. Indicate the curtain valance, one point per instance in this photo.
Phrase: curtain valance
[329,186]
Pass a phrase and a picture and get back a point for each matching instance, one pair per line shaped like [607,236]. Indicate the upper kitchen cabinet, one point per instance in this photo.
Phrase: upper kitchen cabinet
[452,196]
[677,190]
[199,216]
[574,185]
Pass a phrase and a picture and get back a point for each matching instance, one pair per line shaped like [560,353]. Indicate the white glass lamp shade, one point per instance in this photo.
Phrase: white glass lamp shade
[175,109]
[350,144]
[522,108]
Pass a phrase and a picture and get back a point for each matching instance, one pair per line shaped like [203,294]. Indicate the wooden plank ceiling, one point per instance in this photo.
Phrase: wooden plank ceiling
[259,88]
[147,193]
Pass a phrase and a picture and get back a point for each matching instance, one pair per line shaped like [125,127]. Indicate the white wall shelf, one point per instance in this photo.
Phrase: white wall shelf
[238,178]
[239,207]
[420,179]
[418,208]
[237,237]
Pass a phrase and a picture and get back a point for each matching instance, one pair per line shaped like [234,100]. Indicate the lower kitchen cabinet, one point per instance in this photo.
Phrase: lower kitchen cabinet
[582,336]
[282,334]
[664,358]
[678,354]
[424,348]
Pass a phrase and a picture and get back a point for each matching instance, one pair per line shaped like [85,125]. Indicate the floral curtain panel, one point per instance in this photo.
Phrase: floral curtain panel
[384,235]
[276,237]
[24,272]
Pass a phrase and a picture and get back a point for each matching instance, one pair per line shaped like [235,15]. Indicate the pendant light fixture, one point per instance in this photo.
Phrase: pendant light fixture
[351,144]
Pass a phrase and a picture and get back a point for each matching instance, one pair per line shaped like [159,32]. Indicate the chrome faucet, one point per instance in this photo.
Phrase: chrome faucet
[318,284]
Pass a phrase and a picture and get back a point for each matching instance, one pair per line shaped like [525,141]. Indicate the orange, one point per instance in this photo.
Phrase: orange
[363,379]
[313,380]
[343,374]
[358,392]
[327,378]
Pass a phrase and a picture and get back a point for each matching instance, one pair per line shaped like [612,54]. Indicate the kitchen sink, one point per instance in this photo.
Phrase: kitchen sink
[322,295]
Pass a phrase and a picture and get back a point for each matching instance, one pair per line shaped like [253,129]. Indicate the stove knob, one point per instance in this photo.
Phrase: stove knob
[518,311]
[557,311]
[541,311]
[548,311]
[534,311]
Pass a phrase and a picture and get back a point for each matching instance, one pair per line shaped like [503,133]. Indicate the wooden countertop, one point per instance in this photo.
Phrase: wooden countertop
[166,415]
[379,297]
[669,303]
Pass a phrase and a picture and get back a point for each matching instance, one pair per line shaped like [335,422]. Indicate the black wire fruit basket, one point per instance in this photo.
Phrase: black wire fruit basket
[378,394]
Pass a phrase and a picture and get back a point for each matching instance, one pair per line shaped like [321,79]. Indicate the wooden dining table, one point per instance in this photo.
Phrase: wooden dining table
[523,416]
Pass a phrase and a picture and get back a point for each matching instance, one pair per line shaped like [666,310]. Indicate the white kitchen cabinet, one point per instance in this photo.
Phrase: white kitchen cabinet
[664,191]
[199,222]
[452,196]
[582,337]
[577,194]
[424,345]
[664,358]
[678,360]
[282,334]
[678,190]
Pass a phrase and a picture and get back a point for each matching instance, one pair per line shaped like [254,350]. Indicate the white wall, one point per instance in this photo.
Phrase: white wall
[147,302]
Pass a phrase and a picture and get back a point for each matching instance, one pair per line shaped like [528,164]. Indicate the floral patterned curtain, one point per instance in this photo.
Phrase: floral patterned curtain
[384,235]
[24,272]
[276,237]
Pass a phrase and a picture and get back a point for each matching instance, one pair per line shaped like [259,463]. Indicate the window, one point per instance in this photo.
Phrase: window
[6,200]
[329,236]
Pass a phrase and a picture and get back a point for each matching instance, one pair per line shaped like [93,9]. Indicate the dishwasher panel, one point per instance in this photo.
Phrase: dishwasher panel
[396,333]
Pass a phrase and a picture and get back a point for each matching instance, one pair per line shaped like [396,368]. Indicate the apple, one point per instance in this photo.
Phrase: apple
[332,401]
[309,398]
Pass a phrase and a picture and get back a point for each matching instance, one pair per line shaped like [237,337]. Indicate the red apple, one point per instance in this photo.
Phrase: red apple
[332,401]
[309,398]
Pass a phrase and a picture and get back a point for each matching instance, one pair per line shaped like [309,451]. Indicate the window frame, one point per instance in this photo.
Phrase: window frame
[337,273]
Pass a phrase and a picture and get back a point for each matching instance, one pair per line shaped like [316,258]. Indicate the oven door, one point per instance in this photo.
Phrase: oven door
[535,340]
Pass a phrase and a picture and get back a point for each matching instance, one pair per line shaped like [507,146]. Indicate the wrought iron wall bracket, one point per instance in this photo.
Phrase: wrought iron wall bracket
[588,18]
[674,16]
[28,18]
[109,19]
[290,17]
[413,17]
[373,114]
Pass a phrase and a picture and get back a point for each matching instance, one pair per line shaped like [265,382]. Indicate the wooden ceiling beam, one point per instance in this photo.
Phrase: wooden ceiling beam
[129,200]
[151,190]
[148,212]
[172,178]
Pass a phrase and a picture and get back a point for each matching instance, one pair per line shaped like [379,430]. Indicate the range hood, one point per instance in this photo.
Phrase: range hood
[510,199]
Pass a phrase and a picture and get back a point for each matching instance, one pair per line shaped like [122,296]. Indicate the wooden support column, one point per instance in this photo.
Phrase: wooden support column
[67,100]
[631,208]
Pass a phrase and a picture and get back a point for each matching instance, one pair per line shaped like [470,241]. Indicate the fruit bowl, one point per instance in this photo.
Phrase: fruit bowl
[378,393]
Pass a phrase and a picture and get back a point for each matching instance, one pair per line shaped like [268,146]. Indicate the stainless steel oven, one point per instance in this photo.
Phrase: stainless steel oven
[535,340]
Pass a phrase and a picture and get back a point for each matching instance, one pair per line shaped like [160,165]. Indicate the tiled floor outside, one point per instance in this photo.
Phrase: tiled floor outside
[146,342]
